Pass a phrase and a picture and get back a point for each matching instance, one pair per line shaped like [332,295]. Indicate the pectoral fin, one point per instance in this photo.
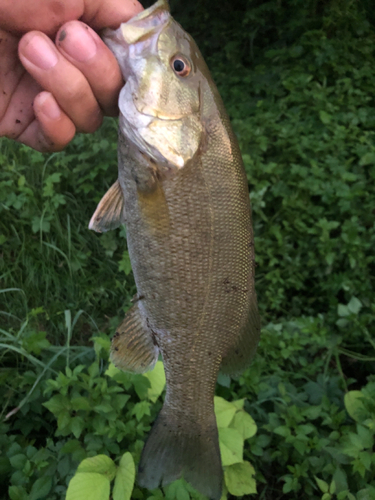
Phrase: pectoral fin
[133,348]
[110,212]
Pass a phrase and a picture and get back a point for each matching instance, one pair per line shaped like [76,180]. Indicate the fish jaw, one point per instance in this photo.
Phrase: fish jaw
[136,36]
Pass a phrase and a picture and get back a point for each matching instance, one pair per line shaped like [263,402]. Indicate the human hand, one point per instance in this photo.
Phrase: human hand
[68,85]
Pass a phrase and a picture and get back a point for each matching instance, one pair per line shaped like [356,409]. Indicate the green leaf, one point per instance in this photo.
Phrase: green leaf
[343,310]
[157,381]
[124,264]
[239,403]
[100,464]
[77,424]
[354,405]
[71,446]
[352,445]
[112,371]
[88,485]
[282,430]
[119,401]
[224,411]
[17,493]
[342,322]
[340,479]
[366,436]
[231,446]
[39,224]
[156,495]
[40,488]
[57,404]
[239,479]
[354,305]
[365,458]
[223,380]
[332,487]
[63,419]
[194,494]
[104,407]
[367,159]
[177,491]
[124,480]
[140,409]
[21,181]
[245,424]
[326,496]
[141,385]
[325,117]
[35,342]
[365,494]
[80,403]
[18,461]
[345,495]
[101,343]
[323,486]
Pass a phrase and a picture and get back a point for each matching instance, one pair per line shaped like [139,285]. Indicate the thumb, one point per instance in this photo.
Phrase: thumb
[109,13]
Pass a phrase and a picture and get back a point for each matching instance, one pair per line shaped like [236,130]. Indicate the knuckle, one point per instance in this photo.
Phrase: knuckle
[81,106]
[91,123]
[76,90]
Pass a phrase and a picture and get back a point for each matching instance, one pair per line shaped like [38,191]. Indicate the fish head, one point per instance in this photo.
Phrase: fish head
[160,102]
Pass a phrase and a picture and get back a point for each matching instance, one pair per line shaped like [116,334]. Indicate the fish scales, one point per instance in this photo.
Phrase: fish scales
[182,192]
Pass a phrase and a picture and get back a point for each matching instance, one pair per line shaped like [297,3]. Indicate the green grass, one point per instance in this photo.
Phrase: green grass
[48,250]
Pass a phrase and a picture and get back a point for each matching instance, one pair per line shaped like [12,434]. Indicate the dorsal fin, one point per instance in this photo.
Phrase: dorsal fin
[110,213]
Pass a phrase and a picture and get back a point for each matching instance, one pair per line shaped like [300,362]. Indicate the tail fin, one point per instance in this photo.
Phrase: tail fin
[175,450]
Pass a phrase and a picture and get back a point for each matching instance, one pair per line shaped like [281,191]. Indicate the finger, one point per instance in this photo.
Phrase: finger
[110,13]
[85,50]
[52,129]
[11,71]
[54,73]
[22,16]
[19,112]
[44,15]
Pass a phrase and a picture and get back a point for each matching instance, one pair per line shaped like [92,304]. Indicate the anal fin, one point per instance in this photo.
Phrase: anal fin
[133,348]
[110,212]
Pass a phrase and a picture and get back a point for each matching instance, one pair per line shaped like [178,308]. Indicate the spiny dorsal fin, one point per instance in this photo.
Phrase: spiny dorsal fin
[110,213]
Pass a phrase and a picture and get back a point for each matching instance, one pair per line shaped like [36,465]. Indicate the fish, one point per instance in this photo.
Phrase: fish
[182,193]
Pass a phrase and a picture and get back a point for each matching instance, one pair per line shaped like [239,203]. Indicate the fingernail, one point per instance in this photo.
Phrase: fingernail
[77,41]
[39,52]
[48,106]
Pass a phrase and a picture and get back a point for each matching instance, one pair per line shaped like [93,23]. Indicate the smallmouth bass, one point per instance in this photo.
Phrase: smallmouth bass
[182,193]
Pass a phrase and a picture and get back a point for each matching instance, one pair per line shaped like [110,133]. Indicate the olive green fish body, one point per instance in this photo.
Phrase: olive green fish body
[182,192]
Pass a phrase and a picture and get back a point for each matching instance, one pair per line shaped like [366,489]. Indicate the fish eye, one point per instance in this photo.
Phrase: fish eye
[181,65]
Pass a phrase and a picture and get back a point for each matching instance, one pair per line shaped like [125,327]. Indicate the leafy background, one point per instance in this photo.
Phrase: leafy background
[298,80]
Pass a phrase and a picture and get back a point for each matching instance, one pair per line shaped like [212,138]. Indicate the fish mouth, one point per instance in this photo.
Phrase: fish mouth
[142,26]
[138,36]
